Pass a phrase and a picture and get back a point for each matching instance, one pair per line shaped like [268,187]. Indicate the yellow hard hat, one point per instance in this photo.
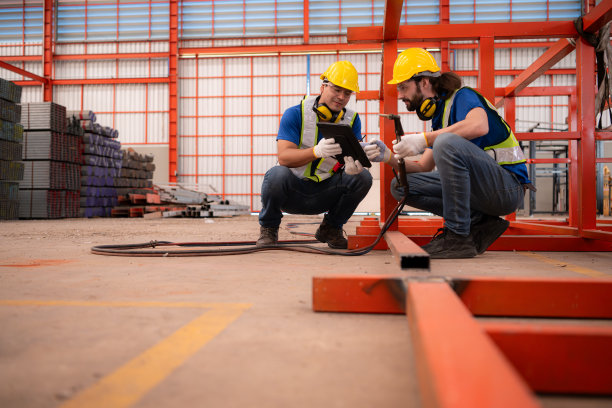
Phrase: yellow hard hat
[411,62]
[342,74]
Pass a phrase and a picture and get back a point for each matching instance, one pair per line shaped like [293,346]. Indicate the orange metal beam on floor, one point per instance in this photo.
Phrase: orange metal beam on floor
[597,17]
[458,365]
[358,294]
[545,229]
[544,62]
[460,32]
[532,297]
[557,358]
[407,254]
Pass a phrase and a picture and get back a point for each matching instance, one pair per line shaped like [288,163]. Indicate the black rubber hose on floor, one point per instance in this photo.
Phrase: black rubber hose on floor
[247,247]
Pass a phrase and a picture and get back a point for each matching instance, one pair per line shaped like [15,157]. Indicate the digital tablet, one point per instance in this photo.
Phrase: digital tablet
[344,136]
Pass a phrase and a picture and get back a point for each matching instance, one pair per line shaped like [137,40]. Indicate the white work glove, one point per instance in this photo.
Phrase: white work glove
[376,151]
[410,145]
[326,148]
[352,166]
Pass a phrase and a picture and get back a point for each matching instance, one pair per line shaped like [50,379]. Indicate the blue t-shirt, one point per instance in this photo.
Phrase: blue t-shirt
[465,100]
[291,125]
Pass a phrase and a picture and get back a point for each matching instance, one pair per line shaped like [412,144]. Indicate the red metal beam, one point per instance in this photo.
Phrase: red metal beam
[545,229]
[486,75]
[457,363]
[408,254]
[547,135]
[358,294]
[23,72]
[48,50]
[533,297]
[105,81]
[368,95]
[597,17]
[137,55]
[460,32]
[267,49]
[173,91]
[544,62]
[393,14]
[557,358]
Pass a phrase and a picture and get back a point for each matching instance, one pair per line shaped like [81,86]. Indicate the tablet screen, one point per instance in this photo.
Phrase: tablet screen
[344,136]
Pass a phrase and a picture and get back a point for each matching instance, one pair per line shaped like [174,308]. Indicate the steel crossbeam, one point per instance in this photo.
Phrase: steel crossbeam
[465,362]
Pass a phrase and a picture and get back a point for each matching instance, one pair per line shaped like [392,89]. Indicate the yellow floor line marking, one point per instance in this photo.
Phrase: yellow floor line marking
[132,381]
[194,305]
[574,268]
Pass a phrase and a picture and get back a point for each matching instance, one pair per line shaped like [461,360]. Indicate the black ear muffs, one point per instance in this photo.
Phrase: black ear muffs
[427,109]
[326,115]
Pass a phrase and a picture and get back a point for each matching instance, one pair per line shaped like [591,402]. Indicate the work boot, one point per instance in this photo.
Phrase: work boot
[267,236]
[487,230]
[333,237]
[453,246]
[435,243]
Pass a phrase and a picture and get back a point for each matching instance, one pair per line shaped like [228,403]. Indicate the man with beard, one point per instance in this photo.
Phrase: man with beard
[472,170]
[308,179]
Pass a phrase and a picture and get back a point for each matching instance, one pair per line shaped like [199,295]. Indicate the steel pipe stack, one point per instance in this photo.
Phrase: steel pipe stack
[52,156]
[101,165]
[11,136]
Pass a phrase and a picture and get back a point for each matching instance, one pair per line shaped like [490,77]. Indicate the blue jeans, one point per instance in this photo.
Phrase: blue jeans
[339,196]
[467,184]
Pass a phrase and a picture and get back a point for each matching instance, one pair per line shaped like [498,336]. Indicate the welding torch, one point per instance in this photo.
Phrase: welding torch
[399,132]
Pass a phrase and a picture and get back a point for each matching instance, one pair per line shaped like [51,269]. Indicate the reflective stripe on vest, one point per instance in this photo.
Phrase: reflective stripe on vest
[508,151]
[318,169]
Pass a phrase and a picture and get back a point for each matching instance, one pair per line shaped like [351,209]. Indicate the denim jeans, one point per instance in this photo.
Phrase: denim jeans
[467,184]
[339,196]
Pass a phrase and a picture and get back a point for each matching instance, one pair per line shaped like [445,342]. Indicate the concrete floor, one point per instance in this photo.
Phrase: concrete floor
[86,330]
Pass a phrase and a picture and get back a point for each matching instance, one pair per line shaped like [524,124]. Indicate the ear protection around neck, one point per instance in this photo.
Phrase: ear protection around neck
[326,115]
[427,109]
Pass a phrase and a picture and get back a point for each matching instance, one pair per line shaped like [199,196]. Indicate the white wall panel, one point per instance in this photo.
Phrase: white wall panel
[210,145]
[209,87]
[68,96]
[101,69]
[266,105]
[265,125]
[69,69]
[157,128]
[98,98]
[31,94]
[210,106]
[210,126]
[237,126]
[237,86]
[130,97]
[131,127]
[158,97]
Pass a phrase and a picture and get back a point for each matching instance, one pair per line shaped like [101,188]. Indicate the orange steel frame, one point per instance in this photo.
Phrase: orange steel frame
[585,233]
[465,362]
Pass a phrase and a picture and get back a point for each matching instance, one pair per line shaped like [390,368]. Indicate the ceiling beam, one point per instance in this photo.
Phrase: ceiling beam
[393,15]
[461,32]
[23,72]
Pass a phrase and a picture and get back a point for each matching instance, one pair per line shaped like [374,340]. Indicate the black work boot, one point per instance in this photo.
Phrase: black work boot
[454,246]
[267,236]
[333,237]
[435,243]
[487,230]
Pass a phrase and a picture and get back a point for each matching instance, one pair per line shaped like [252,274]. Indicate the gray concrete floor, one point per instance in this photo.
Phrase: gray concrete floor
[79,329]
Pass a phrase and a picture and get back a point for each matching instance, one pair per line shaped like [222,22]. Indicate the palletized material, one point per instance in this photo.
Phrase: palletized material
[11,170]
[50,175]
[10,131]
[10,150]
[48,204]
[10,111]
[43,116]
[10,91]
[9,209]
[49,145]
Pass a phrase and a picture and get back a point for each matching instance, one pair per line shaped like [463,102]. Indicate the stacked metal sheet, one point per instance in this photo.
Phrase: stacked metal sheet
[101,164]
[52,156]
[11,135]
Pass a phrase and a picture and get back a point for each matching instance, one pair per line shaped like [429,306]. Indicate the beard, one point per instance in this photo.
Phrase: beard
[413,103]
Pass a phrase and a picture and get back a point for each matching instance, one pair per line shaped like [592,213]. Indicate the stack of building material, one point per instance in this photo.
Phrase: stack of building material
[51,154]
[11,137]
[101,164]
[135,191]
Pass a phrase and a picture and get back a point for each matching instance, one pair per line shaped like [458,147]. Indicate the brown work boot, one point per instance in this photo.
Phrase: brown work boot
[454,246]
[487,230]
[268,236]
[333,237]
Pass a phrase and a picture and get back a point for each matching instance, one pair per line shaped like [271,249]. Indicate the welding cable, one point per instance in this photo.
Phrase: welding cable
[246,247]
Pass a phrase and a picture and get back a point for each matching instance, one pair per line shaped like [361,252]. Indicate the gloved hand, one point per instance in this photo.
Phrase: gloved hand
[376,151]
[326,148]
[410,145]
[352,166]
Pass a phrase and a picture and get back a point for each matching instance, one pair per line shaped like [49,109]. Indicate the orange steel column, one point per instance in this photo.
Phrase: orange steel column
[510,116]
[486,68]
[173,92]
[48,50]
[585,89]
[388,104]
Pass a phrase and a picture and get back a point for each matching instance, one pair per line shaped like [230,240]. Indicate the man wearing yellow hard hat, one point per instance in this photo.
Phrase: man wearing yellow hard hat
[480,171]
[308,179]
